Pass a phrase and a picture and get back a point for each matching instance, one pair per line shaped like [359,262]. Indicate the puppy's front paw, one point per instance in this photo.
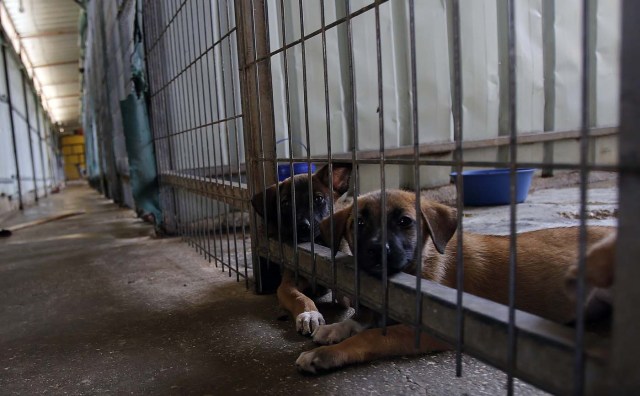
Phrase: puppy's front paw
[319,359]
[336,332]
[308,321]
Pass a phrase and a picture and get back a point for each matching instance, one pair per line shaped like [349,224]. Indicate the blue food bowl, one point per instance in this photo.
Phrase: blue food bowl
[492,186]
[284,171]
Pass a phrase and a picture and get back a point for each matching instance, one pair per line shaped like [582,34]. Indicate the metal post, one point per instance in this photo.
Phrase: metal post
[26,117]
[11,121]
[625,353]
[39,130]
[257,105]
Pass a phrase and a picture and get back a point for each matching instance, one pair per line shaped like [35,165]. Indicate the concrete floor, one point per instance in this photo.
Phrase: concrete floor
[95,304]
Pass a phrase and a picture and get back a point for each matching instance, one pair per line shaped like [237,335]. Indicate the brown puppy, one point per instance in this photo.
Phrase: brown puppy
[306,223]
[544,257]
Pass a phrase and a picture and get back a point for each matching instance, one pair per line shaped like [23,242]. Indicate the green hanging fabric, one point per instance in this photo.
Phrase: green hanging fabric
[138,137]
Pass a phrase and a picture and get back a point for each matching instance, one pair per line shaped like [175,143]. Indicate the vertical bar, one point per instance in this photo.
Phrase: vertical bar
[383,196]
[223,125]
[416,166]
[312,236]
[40,139]
[578,367]
[11,121]
[354,153]
[202,118]
[181,134]
[245,51]
[207,202]
[28,119]
[224,98]
[236,122]
[291,139]
[181,124]
[513,153]
[549,66]
[625,351]
[327,114]
[458,158]
[219,169]
[217,145]
[192,124]
[274,151]
[199,157]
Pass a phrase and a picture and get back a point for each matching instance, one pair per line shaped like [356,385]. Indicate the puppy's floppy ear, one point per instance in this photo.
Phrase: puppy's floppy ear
[441,222]
[340,219]
[258,200]
[341,177]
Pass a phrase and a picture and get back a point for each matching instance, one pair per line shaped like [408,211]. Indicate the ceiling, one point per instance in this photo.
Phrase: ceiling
[48,33]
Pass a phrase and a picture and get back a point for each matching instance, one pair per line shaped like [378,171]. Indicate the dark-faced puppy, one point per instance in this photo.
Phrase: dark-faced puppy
[303,215]
[300,215]
[544,257]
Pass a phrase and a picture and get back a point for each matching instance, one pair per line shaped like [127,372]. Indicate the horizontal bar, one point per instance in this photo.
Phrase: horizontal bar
[215,171]
[234,194]
[396,156]
[448,147]
[195,128]
[545,348]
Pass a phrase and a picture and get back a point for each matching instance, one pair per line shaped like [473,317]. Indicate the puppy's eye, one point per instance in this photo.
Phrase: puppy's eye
[285,204]
[318,200]
[361,221]
[405,221]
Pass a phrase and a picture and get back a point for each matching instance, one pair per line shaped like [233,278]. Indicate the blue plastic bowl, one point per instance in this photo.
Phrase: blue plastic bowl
[284,171]
[492,186]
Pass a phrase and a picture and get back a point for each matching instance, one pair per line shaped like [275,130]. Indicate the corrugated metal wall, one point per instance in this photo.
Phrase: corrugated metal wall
[30,163]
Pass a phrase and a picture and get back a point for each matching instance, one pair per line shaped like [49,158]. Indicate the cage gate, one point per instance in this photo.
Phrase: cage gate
[405,92]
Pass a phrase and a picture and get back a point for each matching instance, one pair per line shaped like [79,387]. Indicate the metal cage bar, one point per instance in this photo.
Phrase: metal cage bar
[196,53]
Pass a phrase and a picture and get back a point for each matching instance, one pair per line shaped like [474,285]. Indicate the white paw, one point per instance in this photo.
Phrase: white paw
[336,332]
[309,321]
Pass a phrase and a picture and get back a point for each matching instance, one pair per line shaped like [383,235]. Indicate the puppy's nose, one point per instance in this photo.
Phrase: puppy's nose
[304,227]
[376,250]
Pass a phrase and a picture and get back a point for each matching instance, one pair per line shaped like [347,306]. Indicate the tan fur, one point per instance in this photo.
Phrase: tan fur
[290,296]
[543,259]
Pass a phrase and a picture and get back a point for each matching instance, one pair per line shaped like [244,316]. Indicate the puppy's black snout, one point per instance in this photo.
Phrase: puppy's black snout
[304,227]
[376,250]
